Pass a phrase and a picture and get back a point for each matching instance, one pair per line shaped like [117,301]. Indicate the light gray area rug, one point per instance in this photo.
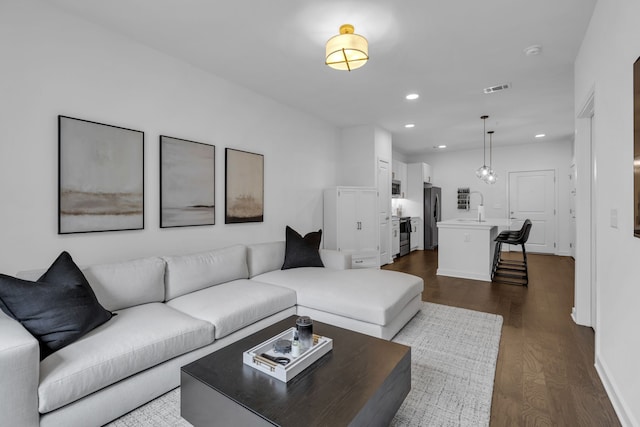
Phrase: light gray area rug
[453,363]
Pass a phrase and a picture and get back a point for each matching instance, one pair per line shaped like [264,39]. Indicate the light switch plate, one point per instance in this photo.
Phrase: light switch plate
[614,218]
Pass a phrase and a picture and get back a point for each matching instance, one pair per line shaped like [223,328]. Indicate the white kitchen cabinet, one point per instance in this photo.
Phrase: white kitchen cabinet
[399,170]
[417,236]
[417,175]
[351,224]
[395,237]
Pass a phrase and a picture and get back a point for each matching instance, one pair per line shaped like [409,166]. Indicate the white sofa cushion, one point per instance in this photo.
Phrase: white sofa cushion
[136,339]
[125,284]
[265,257]
[189,273]
[232,306]
[369,295]
[122,284]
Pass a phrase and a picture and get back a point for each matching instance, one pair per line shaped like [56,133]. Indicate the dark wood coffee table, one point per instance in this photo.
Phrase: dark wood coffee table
[361,382]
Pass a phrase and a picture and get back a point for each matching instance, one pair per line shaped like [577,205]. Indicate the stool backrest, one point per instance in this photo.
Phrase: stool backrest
[526,229]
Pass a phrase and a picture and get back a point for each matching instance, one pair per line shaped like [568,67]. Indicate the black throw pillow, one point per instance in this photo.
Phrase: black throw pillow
[302,251]
[57,309]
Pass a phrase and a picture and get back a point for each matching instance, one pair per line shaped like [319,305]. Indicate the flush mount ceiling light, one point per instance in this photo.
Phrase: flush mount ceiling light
[483,170]
[410,125]
[412,96]
[540,135]
[347,51]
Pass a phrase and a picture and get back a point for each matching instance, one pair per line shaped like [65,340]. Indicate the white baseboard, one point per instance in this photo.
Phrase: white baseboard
[619,405]
[573,315]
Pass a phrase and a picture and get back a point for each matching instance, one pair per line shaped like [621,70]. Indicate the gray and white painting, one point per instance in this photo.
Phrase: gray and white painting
[244,187]
[187,195]
[101,184]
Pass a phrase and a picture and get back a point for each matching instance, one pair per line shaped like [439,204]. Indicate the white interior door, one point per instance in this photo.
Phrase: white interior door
[572,210]
[368,226]
[384,207]
[348,220]
[532,196]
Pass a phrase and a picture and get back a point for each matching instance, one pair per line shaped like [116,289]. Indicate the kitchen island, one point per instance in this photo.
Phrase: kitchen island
[466,247]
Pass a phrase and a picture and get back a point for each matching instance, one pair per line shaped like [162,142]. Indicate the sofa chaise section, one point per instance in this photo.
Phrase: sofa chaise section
[371,301]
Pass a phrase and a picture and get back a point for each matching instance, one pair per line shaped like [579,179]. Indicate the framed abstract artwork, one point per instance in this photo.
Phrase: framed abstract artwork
[100,177]
[244,187]
[187,183]
[636,148]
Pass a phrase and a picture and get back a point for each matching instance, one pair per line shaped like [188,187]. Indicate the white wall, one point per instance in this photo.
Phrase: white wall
[605,65]
[457,169]
[54,63]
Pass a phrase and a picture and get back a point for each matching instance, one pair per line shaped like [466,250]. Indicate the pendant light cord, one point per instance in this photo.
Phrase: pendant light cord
[484,140]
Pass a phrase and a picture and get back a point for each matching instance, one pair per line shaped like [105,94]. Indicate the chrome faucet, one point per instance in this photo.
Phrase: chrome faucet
[480,206]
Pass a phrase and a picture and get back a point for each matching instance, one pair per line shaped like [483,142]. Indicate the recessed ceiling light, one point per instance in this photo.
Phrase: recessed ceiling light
[409,125]
[442,146]
[412,96]
[540,135]
[534,50]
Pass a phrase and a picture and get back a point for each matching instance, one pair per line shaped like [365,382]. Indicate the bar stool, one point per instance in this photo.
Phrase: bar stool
[511,271]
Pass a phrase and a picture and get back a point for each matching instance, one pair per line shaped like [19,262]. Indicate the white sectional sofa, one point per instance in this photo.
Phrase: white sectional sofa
[173,310]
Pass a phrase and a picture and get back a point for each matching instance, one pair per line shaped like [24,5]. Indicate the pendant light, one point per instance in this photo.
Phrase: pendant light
[483,170]
[491,177]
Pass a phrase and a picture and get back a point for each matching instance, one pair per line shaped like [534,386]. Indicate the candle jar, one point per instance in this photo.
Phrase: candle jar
[304,325]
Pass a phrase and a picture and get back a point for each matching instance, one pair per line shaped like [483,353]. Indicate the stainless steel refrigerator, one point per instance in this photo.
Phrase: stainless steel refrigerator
[432,214]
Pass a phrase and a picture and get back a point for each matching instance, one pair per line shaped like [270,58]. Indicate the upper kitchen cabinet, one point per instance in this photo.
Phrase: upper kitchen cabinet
[417,175]
[399,173]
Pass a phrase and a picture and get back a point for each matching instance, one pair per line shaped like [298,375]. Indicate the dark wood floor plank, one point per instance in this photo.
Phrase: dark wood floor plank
[545,374]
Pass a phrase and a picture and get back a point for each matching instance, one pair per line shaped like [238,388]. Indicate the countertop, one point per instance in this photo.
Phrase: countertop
[471,222]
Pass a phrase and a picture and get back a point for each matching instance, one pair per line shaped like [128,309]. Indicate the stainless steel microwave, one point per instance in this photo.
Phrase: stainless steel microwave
[395,188]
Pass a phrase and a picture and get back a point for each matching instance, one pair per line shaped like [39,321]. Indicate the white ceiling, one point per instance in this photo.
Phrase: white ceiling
[445,50]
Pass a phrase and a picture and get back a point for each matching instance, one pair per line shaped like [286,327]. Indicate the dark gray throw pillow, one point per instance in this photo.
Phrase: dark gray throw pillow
[57,309]
[302,251]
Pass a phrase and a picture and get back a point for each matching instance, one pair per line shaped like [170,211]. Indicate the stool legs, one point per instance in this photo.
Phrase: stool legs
[510,271]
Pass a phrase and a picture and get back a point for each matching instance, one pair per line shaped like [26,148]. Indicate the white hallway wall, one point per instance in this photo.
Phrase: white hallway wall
[605,65]
[457,169]
[54,63]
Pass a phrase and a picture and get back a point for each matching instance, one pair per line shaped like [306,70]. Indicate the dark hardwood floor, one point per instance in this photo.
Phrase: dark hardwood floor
[545,374]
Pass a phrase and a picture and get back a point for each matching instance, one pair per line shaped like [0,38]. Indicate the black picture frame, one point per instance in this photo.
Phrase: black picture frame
[187,183]
[636,148]
[244,187]
[100,177]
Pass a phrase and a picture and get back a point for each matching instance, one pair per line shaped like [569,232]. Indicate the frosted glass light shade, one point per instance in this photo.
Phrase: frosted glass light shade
[491,177]
[482,171]
[347,51]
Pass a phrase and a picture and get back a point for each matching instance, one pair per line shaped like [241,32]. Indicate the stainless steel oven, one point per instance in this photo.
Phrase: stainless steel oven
[405,235]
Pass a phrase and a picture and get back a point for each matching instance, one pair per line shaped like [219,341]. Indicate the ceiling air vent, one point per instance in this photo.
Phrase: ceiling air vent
[497,88]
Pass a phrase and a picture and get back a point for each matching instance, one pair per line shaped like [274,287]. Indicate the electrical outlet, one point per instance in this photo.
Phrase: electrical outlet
[614,218]
[467,237]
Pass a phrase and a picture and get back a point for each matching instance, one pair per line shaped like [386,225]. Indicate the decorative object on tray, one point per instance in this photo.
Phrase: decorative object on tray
[187,183]
[100,177]
[304,327]
[244,187]
[281,362]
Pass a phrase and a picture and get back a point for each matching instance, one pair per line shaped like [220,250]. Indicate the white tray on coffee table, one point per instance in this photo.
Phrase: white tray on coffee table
[321,346]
